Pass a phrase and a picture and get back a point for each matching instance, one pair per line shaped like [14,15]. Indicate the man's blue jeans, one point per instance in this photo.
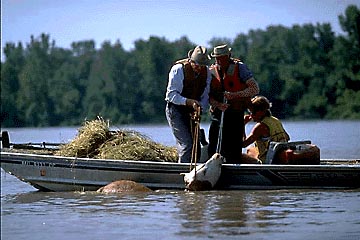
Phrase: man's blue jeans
[179,120]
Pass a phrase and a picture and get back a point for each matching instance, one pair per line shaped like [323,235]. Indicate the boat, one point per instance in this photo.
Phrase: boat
[57,173]
[48,172]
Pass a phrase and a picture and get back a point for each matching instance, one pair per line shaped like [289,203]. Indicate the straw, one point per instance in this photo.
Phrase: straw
[95,140]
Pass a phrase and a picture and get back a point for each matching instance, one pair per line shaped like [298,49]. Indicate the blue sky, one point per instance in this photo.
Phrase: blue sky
[70,21]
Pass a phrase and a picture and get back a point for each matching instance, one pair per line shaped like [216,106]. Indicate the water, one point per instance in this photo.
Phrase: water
[284,214]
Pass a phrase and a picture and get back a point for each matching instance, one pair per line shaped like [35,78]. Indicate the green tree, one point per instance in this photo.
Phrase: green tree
[314,103]
[298,72]
[84,53]
[107,72]
[343,86]
[266,54]
[240,46]
[33,101]
[181,47]
[10,71]
[65,95]
[155,58]
[306,72]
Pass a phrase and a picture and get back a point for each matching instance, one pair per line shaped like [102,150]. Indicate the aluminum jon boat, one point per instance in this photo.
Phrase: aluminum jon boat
[56,173]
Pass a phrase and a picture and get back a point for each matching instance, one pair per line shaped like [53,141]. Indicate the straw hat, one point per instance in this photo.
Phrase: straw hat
[221,51]
[199,55]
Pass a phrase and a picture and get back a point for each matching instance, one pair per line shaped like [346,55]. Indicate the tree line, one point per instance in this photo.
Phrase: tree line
[306,71]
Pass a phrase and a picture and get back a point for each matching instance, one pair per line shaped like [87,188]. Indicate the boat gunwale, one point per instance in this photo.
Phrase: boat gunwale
[79,160]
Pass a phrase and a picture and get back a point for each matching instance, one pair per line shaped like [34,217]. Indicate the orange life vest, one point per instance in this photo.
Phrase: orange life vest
[230,82]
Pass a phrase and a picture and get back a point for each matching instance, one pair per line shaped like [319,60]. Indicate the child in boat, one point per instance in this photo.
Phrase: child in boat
[267,128]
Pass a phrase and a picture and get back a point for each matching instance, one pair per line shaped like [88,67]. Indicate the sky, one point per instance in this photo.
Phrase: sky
[68,21]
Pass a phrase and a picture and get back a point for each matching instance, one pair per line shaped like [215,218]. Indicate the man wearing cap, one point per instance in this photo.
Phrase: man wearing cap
[187,91]
[231,90]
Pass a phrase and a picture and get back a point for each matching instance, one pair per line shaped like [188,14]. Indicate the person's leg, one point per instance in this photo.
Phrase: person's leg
[213,133]
[179,121]
[247,159]
[233,136]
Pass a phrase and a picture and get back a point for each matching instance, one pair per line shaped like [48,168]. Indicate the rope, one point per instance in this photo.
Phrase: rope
[195,119]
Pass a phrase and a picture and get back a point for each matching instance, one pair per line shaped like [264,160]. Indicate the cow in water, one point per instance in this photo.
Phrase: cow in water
[123,186]
[205,176]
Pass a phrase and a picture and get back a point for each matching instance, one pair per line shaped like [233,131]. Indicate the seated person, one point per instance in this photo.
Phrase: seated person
[267,128]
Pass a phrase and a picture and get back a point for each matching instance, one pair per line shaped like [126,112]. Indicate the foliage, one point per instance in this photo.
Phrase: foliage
[306,72]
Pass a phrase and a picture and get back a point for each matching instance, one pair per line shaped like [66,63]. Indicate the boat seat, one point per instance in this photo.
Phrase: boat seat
[276,147]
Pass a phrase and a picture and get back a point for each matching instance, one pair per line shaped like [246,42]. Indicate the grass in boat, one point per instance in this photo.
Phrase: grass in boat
[96,140]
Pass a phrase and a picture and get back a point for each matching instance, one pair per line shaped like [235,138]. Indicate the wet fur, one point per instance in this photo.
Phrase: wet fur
[123,186]
[207,174]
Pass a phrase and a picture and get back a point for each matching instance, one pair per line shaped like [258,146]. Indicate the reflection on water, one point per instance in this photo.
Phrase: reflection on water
[178,214]
[209,214]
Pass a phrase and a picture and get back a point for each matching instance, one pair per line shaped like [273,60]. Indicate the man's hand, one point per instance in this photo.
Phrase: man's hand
[193,103]
[247,118]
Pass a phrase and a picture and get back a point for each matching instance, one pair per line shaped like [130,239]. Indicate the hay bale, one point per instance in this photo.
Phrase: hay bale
[90,136]
[131,145]
[95,140]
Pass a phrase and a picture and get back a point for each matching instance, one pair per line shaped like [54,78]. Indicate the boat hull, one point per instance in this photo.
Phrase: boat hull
[55,173]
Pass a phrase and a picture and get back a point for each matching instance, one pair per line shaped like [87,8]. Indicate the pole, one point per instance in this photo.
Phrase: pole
[218,147]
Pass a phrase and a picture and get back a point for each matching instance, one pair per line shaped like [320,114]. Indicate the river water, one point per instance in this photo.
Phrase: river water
[280,214]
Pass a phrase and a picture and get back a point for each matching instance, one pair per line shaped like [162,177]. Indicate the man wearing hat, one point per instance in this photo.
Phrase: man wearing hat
[187,91]
[231,89]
